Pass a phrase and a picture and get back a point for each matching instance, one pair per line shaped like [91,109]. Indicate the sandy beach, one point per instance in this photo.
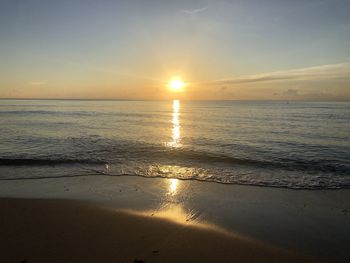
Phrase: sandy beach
[34,230]
[103,219]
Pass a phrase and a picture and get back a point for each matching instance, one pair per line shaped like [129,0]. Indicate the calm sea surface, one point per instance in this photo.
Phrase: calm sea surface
[301,145]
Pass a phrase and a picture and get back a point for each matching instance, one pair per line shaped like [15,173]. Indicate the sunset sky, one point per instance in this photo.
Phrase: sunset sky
[250,49]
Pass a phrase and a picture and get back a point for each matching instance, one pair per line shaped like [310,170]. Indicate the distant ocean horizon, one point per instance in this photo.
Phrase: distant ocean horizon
[171,99]
[292,144]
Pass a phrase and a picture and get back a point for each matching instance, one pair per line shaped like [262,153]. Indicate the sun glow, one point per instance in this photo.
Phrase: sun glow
[176,85]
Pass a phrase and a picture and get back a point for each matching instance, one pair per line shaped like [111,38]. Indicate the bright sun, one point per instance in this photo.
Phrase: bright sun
[176,85]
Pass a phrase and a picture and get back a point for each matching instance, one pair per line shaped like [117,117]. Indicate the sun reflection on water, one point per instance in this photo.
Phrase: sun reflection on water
[176,134]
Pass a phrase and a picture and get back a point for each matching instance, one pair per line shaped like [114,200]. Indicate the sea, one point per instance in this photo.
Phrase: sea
[290,144]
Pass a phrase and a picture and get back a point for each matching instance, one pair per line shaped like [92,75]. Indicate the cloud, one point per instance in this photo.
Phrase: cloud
[291,92]
[340,71]
[36,83]
[194,12]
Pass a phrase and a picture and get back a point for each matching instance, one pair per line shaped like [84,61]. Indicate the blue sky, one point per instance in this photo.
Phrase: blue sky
[130,49]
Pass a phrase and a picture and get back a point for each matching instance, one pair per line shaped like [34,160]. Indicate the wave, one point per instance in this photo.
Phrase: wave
[45,112]
[188,165]
[257,183]
[80,113]
[189,156]
[45,162]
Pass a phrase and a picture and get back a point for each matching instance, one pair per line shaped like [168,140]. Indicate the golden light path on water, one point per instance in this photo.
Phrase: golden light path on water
[176,125]
[173,204]
[175,140]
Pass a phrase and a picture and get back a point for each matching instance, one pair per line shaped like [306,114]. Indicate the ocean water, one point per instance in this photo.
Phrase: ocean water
[299,145]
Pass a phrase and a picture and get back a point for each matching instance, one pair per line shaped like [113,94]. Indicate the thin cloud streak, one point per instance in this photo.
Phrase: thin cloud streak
[323,72]
[194,12]
[36,83]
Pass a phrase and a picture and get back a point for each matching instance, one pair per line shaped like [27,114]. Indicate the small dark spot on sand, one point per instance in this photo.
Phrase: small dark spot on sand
[155,251]
[24,261]
[345,211]
[139,261]
[120,191]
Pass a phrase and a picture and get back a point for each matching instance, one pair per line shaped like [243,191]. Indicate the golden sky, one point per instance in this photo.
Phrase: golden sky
[239,50]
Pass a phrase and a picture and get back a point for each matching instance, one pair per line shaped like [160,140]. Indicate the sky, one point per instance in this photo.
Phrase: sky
[222,49]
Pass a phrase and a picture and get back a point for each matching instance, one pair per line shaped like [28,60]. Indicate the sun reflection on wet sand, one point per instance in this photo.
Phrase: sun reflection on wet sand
[173,183]
[182,215]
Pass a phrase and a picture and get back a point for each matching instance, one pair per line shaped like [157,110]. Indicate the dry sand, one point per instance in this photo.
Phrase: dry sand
[38,230]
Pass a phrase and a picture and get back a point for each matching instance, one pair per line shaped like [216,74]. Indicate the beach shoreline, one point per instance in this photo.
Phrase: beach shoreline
[304,224]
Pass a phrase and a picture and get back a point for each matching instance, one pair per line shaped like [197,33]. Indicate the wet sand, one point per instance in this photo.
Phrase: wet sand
[38,230]
[120,219]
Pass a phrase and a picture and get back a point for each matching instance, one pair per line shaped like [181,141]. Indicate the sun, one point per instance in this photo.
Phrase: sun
[176,85]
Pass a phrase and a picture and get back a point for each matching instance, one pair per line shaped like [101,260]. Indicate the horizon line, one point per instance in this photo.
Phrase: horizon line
[120,99]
